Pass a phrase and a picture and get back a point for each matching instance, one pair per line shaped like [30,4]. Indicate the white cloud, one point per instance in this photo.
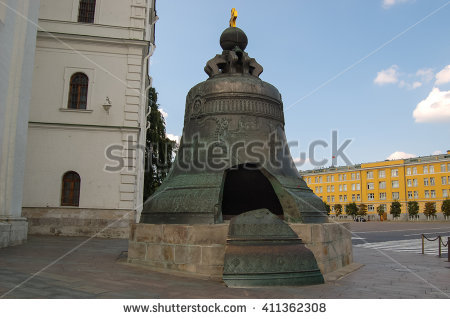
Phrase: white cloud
[443,76]
[416,84]
[163,113]
[173,137]
[400,155]
[388,76]
[409,81]
[389,3]
[425,74]
[435,108]
[437,152]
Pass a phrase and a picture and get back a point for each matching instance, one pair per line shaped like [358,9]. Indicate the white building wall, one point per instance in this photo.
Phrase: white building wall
[112,53]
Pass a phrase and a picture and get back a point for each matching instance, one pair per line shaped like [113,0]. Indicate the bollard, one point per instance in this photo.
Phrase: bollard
[439,238]
[423,243]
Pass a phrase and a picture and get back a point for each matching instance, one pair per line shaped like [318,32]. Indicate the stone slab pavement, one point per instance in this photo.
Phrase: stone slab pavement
[50,267]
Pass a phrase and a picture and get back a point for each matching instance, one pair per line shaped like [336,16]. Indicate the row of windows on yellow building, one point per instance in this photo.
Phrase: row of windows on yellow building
[421,179]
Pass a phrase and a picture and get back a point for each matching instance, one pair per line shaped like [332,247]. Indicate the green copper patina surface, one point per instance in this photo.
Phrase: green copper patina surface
[262,250]
[233,155]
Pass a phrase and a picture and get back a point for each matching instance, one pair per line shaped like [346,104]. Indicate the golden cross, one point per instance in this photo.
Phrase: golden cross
[234,15]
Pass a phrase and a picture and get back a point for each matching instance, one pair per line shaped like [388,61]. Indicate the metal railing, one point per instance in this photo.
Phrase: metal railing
[441,243]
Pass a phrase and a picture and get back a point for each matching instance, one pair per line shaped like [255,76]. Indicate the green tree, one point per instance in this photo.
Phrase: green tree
[158,148]
[351,209]
[362,210]
[380,210]
[430,209]
[396,209]
[446,208]
[327,208]
[338,209]
[413,209]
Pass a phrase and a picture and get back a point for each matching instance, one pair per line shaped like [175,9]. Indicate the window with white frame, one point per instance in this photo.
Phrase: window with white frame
[316,179]
[353,176]
[353,187]
[395,195]
[382,185]
[358,197]
[382,195]
[416,194]
[444,193]
[444,180]
[432,181]
[442,167]
[408,171]
[414,170]
[433,193]
[425,169]
[370,208]
[340,198]
[427,194]
[332,198]
[328,188]
[353,197]
[344,177]
[345,198]
[320,179]
[431,169]
[332,178]
[332,188]
[410,195]
[395,184]
[370,196]
[340,177]
[409,182]
[345,187]
[358,187]
[370,186]
[394,172]
[328,199]
[340,187]
[316,189]
[357,174]
[382,174]
[425,182]
[369,175]
[415,182]
[320,189]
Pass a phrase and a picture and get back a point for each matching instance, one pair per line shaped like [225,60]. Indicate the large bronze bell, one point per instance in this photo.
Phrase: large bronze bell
[233,155]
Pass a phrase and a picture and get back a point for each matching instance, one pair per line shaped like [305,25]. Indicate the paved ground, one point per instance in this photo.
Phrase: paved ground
[95,270]
[402,237]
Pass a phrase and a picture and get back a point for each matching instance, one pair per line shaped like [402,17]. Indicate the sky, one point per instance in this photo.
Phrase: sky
[376,71]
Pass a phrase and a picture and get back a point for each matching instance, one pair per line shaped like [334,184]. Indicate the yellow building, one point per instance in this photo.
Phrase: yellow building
[421,179]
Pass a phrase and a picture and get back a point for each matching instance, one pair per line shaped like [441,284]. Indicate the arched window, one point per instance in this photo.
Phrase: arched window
[86,11]
[78,91]
[70,194]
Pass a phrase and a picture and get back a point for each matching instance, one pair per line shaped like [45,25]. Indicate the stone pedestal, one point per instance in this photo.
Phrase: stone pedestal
[331,244]
[13,231]
[200,249]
